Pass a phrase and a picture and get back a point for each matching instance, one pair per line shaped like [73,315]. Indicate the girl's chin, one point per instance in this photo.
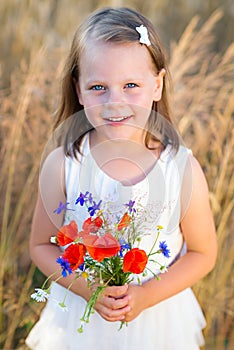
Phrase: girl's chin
[123,133]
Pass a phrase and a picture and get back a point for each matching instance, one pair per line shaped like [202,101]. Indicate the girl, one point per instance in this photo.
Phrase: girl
[120,144]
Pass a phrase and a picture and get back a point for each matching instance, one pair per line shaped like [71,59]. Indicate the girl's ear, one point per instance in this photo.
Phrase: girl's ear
[77,87]
[159,85]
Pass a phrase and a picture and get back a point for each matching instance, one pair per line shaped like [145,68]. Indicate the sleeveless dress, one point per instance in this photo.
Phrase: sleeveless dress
[175,323]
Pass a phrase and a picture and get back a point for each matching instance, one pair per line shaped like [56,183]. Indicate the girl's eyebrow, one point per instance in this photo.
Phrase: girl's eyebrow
[96,81]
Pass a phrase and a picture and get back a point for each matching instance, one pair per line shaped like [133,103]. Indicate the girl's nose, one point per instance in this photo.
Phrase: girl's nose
[115,96]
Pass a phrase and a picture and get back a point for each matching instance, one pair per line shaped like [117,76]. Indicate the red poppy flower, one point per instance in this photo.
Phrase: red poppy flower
[74,254]
[135,261]
[92,225]
[124,222]
[101,247]
[67,233]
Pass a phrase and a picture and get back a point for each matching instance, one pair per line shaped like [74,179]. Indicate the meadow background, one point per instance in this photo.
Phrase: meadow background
[34,39]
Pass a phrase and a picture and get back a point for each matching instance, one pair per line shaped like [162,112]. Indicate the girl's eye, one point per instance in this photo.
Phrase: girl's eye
[97,87]
[131,85]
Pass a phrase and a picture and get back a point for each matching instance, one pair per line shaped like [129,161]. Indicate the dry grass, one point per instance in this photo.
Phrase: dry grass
[25,125]
[204,106]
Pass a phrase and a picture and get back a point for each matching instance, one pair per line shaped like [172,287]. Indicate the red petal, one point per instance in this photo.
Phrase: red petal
[124,222]
[101,247]
[90,225]
[135,261]
[98,222]
[74,254]
[67,233]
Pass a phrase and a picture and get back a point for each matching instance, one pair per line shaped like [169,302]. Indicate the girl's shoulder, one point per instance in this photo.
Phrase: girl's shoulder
[52,171]
[49,157]
[175,160]
[184,151]
[194,185]
[171,153]
[192,170]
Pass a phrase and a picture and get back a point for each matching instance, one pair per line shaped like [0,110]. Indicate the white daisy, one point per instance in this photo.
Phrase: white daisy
[53,239]
[40,295]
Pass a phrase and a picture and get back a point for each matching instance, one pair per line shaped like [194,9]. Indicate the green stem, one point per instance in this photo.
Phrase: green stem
[49,277]
[123,323]
[90,307]
[155,276]
[151,250]
[68,289]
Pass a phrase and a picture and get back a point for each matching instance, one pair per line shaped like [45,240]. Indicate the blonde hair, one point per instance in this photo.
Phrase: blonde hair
[116,25]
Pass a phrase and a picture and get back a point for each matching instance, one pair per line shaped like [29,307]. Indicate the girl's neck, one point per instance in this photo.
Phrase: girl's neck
[124,160]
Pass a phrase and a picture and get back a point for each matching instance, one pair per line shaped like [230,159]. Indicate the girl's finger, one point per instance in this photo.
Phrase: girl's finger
[115,304]
[116,291]
[113,315]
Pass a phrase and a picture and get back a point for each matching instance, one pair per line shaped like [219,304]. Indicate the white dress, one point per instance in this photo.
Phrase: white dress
[173,324]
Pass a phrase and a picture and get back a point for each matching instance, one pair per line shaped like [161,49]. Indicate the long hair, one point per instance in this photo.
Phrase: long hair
[116,25]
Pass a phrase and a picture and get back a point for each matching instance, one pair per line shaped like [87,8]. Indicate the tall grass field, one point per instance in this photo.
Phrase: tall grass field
[203,105]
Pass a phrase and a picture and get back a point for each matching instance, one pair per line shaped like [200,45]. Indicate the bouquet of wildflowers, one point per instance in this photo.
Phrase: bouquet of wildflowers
[103,252]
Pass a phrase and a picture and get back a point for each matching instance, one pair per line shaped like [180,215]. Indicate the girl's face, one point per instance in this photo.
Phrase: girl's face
[117,86]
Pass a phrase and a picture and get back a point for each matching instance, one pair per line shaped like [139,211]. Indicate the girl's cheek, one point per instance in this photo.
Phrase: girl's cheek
[138,99]
[93,101]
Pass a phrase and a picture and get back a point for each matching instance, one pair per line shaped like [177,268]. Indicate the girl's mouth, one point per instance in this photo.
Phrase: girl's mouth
[117,120]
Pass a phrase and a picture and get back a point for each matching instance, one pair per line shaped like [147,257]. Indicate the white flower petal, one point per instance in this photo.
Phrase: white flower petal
[40,296]
[53,240]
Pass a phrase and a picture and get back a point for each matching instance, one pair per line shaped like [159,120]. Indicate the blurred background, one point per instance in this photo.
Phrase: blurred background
[35,36]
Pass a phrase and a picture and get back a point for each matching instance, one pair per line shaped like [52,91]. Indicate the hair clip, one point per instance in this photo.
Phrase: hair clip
[144,37]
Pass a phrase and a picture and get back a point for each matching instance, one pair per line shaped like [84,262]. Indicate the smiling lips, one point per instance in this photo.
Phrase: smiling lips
[117,120]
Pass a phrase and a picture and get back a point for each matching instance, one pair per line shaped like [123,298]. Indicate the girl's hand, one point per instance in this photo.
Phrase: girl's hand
[136,297]
[113,304]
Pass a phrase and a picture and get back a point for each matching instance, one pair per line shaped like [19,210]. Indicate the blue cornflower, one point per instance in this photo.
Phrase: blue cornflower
[61,207]
[123,245]
[82,198]
[164,249]
[81,267]
[130,205]
[66,269]
[94,208]
[90,198]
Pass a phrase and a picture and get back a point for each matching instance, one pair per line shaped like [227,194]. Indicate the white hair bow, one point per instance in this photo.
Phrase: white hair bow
[144,37]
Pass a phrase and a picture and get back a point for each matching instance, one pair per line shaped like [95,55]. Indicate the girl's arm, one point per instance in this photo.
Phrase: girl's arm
[198,229]
[46,224]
